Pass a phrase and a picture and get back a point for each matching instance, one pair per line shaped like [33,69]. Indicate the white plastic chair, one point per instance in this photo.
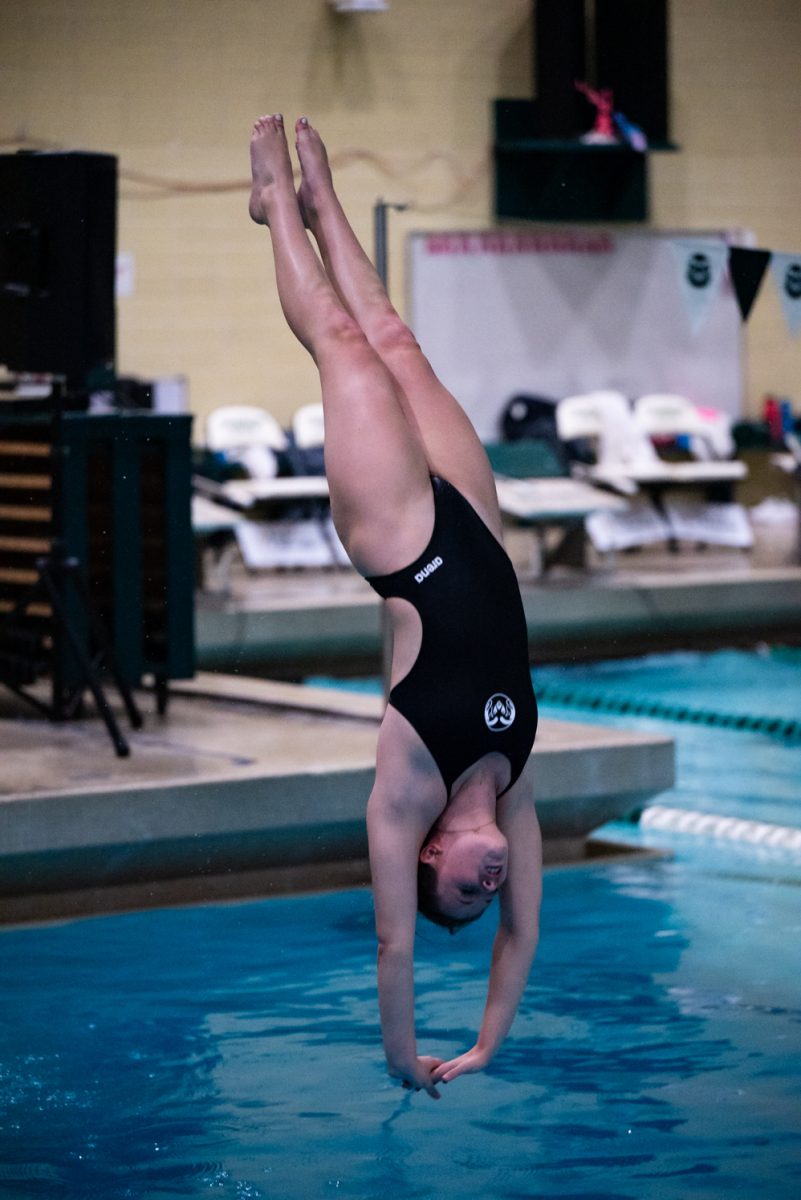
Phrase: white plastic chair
[234,426]
[665,414]
[626,456]
[248,435]
[585,415]
[605,417]
[308,426]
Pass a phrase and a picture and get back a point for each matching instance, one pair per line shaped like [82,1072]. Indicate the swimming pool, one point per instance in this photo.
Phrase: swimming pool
[233,1050]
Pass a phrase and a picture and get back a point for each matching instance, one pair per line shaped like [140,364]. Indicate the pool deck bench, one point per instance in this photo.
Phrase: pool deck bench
[249,786]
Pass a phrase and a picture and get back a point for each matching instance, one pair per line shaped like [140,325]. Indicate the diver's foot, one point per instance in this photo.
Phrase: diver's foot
[316,183]
[270,164]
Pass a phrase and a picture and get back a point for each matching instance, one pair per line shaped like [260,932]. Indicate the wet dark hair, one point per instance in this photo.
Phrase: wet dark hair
[428,901]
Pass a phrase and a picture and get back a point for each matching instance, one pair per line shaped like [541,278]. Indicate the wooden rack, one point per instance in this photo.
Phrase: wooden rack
[109,496]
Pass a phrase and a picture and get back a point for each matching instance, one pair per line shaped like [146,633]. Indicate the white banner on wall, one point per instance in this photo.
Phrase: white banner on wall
[556,312]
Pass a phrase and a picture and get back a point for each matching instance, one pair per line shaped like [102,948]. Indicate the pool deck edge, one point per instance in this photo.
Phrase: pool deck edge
[306,812]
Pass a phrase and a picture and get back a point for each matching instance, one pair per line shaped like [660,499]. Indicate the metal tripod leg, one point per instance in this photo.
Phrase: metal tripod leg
[90,677]
[103,640]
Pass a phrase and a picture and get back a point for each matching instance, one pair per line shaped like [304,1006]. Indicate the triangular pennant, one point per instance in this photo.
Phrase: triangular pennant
[786,272]
[700,266]
[746,268]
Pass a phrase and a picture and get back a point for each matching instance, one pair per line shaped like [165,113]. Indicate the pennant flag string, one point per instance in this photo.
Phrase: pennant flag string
[701,265]
[747,269]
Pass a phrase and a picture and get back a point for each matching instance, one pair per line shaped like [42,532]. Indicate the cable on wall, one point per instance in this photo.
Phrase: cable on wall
[147,186]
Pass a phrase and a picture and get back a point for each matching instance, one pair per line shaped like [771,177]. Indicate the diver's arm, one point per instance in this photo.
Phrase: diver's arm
[516,940]
[394,838]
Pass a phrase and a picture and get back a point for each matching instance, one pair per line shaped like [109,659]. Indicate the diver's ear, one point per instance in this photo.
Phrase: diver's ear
[430,853]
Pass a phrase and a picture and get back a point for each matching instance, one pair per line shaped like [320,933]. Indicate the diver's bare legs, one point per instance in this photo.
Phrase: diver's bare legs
[376,468]
[452,447]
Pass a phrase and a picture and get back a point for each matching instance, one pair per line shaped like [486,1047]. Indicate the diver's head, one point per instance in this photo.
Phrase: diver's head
[459,872]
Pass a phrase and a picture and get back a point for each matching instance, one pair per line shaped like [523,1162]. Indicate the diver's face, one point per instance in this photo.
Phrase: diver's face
[470,867]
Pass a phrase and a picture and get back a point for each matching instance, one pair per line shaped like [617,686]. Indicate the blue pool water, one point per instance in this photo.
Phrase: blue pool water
[752,771]
[233,1050]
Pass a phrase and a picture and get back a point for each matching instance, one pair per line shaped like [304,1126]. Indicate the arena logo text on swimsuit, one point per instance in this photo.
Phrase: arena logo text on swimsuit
[428,569]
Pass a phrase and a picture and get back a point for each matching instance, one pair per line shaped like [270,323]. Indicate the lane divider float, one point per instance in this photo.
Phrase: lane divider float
[735,829]
[577,697]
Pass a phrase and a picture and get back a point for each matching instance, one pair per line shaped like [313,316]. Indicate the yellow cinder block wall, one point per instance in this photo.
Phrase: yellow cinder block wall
[403,98]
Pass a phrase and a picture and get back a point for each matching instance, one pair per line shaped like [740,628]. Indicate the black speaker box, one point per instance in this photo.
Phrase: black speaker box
[58,235]
[617,44]
[559,60]
[631,57]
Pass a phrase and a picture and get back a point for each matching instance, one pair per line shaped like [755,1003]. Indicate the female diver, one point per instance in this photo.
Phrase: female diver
[450,819]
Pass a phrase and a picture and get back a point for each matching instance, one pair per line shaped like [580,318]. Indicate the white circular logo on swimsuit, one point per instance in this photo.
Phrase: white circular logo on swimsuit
[499,712]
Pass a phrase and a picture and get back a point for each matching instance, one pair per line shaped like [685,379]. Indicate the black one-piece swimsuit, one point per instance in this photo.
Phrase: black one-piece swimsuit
[469,692]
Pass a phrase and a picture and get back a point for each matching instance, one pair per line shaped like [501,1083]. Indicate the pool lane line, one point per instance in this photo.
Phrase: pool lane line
[583,698]
[735,829]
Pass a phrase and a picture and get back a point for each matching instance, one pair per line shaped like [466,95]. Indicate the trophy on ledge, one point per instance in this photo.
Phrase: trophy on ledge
[603,132]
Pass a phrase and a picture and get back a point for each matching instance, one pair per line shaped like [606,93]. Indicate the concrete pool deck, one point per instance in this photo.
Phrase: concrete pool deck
[249,787]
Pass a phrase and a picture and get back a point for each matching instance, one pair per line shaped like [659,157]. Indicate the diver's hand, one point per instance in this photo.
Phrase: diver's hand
[418,1074]
[465,1064]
